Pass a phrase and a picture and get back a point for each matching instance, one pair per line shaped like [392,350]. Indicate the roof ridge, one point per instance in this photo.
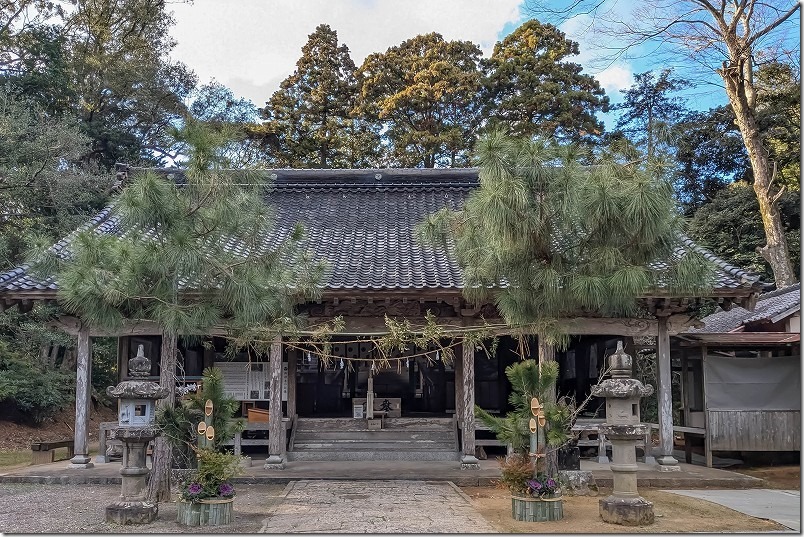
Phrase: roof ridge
[743,275]
[781,291]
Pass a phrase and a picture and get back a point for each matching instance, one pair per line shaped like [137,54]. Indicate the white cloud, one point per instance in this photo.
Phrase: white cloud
[252,45]
[616,78]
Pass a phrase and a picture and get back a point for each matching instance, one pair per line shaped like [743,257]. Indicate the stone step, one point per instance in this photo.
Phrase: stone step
[351,424]
[384,434]
[373,455]
[346,445]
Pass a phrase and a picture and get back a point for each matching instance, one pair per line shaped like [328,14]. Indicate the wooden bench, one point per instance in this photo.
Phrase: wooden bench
[45,452]
[480,426]
[238,441]
[688,433]
[585,428]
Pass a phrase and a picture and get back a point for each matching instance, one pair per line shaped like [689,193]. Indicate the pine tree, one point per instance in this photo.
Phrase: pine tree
[544,237]
[530,89]
[192,257]
[650,112]
[309,119]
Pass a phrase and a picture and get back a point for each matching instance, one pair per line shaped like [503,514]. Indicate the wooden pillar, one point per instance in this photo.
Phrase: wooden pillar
[293,356]
[707,430]
[276,432]
[547,353]
[83,392]
[665,399]
[459,389]
[468,459]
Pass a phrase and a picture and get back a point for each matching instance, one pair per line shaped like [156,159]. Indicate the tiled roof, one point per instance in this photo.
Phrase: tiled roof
[769,306]
[361,222]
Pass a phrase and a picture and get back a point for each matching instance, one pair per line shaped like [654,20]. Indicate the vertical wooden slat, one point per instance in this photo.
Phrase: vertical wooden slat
[293,356]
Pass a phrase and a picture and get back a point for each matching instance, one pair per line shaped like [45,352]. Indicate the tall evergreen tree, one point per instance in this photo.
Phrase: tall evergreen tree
[129,96]
[424,95]
[709,154]
[564,239]
[309,119]
[650,112]
[193,256]
[731,226]
[531,89]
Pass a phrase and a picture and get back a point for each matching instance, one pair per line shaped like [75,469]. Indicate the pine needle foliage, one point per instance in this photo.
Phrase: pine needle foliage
[192,253]
[529,380]
[179,423]
[545,237]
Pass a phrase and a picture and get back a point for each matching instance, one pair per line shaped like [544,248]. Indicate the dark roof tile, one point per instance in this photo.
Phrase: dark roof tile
[361,223]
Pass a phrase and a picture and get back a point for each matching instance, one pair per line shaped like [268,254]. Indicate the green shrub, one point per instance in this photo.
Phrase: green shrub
[30,394]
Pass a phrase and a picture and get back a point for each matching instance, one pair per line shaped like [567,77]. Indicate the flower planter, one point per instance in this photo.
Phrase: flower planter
[537,509]
[212,512]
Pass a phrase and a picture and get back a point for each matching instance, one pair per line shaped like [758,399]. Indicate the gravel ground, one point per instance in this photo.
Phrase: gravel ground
[28,508]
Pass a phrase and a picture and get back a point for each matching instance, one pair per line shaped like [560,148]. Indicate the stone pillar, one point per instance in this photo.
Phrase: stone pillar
[292,358]
[468,460]
[276,433]
[667,462]
[623,428]
[83,392]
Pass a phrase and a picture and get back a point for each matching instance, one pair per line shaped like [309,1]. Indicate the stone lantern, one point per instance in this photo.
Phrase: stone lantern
[136,428]
[624,506]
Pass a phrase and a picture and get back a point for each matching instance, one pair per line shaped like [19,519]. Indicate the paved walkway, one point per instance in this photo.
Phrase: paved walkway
[374,507]
[782,506]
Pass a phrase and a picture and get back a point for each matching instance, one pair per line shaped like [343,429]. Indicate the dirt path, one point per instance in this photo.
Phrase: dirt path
[674,514]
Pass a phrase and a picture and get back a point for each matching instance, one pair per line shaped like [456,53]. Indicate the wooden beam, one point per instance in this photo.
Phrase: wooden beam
[376,325]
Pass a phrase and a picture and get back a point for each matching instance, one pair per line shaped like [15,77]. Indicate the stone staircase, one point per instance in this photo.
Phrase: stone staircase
[348,439]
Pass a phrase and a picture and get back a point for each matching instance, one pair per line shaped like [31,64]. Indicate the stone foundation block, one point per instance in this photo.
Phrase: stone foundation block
[124,513]
[626,511]
[577,483]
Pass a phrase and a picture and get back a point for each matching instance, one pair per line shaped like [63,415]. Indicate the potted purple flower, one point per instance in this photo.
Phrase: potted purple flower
[206,498]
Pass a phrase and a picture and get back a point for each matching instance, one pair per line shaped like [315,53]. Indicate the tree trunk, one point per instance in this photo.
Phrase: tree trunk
[547,353]
[159,483]
[740,90]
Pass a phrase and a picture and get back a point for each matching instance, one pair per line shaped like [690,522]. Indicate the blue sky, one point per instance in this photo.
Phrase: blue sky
[252,45]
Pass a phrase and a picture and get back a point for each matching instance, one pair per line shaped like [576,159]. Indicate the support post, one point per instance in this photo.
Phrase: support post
[547,353]
[276,433]
[459,389]
[665,459]
[292,358]
[468,460]
[707,430]
[83,393]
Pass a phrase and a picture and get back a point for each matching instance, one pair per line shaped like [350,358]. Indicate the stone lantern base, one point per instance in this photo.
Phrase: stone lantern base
[626,511]
[124,513]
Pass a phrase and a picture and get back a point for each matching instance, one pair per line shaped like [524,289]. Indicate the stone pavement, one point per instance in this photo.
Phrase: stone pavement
[782,506]
[374,507]
[689,477]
